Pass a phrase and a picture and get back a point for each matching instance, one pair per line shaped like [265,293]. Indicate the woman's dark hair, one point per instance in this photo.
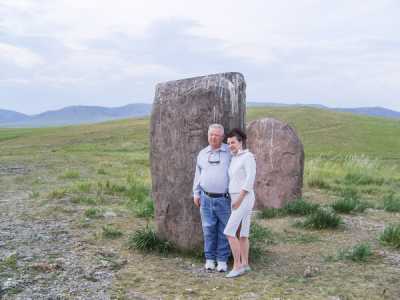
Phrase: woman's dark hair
[239,134]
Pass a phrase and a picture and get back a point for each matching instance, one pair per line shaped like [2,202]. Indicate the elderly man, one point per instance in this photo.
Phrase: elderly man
[210,194]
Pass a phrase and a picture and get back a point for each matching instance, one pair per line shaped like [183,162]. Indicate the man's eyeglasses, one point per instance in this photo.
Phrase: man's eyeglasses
[214,159]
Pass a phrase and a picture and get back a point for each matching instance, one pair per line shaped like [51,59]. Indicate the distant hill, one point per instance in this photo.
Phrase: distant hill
[7,116]
[74,115]
[368,111]
[372,111]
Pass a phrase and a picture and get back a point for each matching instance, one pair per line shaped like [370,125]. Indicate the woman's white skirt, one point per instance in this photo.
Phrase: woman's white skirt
[241,215]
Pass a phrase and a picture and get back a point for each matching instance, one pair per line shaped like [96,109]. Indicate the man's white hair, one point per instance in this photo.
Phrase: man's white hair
[216,126]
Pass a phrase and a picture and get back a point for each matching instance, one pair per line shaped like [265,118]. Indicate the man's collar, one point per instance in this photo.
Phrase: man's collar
[223,148]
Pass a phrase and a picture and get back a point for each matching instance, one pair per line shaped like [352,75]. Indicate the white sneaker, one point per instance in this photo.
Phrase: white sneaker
[222,266]
[210,265]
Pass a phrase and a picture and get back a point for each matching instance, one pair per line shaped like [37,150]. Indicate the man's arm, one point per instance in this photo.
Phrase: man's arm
[196,185]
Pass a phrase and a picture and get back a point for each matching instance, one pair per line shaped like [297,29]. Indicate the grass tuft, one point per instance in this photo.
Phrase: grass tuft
[93,213]
[259,237]
[70,174]
[139,199]
[110,232]
[391,203]
[271,212]
[358,253]
[322,219]
[300,207]
[57,194]
[83,199]
[391,236]
[146,240]
[319,183]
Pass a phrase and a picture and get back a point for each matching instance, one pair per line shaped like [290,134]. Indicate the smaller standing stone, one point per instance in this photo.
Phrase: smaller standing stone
[280,162]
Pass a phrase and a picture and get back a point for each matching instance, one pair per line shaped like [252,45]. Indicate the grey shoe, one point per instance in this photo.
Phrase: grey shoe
[235,273]
[246,268]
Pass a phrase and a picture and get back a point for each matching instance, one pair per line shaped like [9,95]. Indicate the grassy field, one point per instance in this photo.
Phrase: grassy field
[91,171]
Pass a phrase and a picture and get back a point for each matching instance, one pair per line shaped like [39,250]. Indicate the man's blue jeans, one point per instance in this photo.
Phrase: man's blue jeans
[215,213]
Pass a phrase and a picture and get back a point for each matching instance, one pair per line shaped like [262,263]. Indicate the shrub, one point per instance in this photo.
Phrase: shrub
[391,203]
[300,207]
[391,236]
[145,240]
[359,253]
[322,219]
[110,232]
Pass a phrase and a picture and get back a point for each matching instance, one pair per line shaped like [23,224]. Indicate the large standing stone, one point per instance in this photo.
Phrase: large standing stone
[280,162]
[182,112]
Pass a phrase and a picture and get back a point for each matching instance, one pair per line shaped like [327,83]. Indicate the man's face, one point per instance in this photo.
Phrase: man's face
[215,138]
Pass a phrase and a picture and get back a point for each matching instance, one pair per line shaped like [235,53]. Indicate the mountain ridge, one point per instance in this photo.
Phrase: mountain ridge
[81,114]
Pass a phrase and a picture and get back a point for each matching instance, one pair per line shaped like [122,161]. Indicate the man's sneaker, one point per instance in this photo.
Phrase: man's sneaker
[210,265]
[222,266]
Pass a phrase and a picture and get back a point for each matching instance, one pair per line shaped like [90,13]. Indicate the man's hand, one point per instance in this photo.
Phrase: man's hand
[196,200]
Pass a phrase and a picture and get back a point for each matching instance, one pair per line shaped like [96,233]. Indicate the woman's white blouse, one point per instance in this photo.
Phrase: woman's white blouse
[242,172]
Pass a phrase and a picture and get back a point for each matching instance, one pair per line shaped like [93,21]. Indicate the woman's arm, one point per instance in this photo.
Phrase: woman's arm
[250,169]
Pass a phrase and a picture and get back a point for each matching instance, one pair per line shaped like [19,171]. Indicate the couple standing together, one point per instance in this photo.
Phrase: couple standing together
[223,190]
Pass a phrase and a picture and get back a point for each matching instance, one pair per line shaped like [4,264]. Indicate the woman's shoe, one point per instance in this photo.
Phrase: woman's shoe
[246,268]
[235,273]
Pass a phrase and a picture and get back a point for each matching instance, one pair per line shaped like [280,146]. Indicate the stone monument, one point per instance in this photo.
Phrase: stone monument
[182,112]
[280,162]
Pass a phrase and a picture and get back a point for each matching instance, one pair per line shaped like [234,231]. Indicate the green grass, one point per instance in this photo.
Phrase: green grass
[57,193]
[323,218]
[298,207]
[259,238]
[345,155]
[359,253]
[146,240]
[9,262]
[110,232]
[93,213]
[391,202]
[391,236]
[70,174]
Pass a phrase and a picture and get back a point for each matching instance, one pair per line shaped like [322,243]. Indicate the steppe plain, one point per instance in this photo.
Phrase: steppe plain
[71,199]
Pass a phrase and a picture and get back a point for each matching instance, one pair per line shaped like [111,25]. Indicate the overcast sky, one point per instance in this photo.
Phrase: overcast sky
[56,53]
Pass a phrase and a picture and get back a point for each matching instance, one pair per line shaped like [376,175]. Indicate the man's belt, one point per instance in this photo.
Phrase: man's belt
[214,195]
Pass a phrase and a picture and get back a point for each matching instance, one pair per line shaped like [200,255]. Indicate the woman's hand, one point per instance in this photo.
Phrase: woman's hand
[237,203]
[239,200]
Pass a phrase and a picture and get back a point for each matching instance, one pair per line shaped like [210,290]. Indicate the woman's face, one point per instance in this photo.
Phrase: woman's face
[234,144]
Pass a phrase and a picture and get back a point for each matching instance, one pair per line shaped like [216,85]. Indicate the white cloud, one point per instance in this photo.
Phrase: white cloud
[21,57]
[310,49]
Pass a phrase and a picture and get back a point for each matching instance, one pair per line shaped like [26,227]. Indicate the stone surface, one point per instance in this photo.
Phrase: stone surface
[280,162]
[182,112]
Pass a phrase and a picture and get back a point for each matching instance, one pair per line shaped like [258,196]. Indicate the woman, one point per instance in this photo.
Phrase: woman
[242,172]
